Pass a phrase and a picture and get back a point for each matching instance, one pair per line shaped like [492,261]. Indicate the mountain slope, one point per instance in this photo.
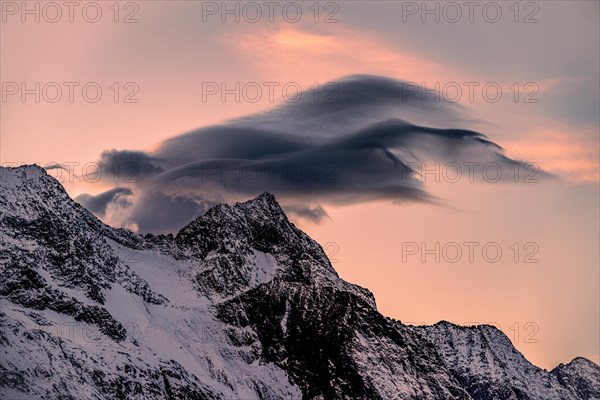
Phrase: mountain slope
[484,361]
[240,304]
[581,376]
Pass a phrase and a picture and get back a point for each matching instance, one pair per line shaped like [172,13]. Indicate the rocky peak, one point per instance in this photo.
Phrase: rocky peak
[54,254]
[253,219]
[581,376]
[579,362]
[264,201]
[480,356]
[234,248]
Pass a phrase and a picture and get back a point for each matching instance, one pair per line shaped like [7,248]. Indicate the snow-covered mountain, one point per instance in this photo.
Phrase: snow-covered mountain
[240,304]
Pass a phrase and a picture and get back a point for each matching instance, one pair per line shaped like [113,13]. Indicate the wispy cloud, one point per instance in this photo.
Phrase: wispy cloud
[99,203]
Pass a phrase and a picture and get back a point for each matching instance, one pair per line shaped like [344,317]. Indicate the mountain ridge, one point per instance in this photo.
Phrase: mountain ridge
[238,304]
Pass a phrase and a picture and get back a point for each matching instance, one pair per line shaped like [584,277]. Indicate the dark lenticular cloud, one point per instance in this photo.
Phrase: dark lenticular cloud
[354,145]
[128,166]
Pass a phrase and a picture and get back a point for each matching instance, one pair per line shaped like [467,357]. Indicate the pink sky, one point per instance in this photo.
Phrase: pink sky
[168,61]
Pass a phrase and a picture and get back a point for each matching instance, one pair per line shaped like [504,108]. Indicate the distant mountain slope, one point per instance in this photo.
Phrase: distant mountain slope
[240,304]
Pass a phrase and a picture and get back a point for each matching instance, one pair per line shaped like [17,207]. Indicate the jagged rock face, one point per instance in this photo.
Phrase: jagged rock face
[42,226]
[240,304]
[49,244]
[334,344]
[484,361]
[236,248]
[581,376]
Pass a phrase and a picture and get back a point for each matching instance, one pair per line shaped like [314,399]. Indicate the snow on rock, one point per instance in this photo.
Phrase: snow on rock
[239,304]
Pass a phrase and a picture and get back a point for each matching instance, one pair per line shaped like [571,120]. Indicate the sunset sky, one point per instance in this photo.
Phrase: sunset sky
[161,106]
